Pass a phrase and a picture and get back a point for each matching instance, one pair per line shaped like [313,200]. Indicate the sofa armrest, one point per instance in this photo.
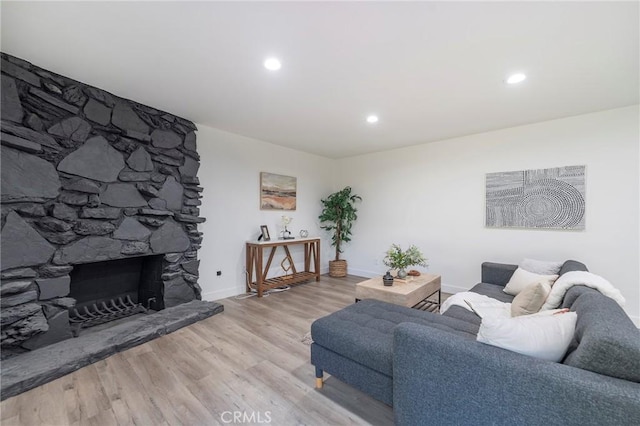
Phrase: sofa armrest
[441,378]
[497,273]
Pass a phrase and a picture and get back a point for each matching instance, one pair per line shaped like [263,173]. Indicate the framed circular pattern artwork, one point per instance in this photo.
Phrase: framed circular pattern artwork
[542,199]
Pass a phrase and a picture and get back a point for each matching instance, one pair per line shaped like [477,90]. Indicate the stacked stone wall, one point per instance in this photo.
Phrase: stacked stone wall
[87,176]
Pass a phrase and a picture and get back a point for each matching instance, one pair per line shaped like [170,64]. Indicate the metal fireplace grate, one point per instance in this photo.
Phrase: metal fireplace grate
[102,312]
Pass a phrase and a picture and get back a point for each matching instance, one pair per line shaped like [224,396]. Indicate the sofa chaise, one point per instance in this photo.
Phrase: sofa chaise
[432,370]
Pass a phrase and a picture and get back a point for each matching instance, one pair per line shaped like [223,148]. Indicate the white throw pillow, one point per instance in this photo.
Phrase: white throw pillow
[530,300]
[541,336]
[521,279]
[543,267]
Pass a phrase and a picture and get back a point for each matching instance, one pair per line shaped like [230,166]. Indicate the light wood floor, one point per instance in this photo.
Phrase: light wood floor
[249,359]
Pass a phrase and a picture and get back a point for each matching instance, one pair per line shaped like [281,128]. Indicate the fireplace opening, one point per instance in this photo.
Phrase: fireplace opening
[110,290]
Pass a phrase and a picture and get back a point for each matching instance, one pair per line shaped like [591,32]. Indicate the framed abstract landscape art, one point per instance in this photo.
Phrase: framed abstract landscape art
[277,192]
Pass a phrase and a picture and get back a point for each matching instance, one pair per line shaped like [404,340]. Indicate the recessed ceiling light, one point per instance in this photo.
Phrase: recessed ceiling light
[372,119]
[516,78]
[272,64]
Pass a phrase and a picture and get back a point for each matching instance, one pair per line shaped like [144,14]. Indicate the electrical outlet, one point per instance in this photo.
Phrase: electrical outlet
[218,273]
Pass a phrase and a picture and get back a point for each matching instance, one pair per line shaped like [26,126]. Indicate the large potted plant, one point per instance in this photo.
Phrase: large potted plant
[338,215]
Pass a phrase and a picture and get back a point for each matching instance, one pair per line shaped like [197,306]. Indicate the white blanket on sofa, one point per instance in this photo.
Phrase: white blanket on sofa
[484,306]
[568,280]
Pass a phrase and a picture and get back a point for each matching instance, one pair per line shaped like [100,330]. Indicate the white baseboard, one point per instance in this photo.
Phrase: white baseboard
[222,293]
[361,272]
[240,289]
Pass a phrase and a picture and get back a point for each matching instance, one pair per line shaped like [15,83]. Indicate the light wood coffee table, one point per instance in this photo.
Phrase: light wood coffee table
[412,292]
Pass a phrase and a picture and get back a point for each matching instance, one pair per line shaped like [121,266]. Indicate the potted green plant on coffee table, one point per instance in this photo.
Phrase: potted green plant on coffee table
[338,215]
[398,259]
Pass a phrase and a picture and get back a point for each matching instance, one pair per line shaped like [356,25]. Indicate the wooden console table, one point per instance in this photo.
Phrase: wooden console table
[257,275]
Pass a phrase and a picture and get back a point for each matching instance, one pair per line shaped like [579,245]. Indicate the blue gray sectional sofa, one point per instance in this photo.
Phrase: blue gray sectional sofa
[432,370]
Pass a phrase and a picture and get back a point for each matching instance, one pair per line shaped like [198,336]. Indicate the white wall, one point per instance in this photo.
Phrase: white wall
[230,174]
[432,195]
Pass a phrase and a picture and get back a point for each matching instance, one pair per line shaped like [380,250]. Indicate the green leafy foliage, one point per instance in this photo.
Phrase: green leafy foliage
[338,215]
[397,259]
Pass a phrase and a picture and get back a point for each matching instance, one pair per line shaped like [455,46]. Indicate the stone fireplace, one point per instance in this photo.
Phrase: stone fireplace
[91,183]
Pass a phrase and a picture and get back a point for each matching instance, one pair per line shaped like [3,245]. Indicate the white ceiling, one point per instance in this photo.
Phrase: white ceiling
[430,70]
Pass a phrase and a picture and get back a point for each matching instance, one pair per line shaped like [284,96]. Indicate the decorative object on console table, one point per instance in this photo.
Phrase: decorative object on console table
[544,199]
[398,259]
[277,192]
[304,233]
[338,215]
[264,233]
[257,273]
[286,266]
[286,234]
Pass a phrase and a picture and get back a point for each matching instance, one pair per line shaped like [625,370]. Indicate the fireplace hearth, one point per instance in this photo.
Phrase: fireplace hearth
[40,366]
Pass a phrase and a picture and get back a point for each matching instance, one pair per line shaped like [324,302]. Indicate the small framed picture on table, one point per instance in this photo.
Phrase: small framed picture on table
[265,233]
